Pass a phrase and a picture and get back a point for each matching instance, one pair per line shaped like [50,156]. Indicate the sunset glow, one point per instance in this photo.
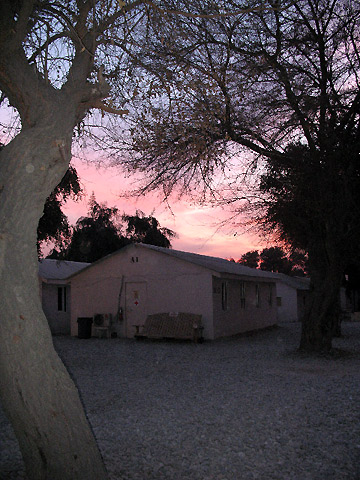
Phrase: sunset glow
[197,227]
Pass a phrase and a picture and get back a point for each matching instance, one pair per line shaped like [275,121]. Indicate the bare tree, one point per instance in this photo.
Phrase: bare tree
[60,61]
[196,81]
[286,74]
[51,71]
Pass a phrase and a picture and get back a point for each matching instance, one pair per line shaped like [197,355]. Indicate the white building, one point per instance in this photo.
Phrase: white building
[291,297]
[55,292]
[140,280]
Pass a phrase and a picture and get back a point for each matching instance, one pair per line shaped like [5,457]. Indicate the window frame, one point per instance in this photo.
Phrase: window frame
[61,299]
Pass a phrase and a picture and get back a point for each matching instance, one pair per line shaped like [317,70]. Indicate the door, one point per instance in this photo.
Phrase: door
[135,306]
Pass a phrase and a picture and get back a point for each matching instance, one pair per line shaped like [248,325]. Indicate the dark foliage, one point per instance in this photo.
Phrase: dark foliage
[142,229]
[53,225]
[250,259]
[280,85]
[313,201]
[100,233]
[275,259]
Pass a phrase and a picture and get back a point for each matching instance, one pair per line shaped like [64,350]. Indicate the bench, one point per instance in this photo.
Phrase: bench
[182,326]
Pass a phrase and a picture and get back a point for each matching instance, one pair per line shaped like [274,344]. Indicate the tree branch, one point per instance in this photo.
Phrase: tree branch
[106,108]
[46,45]
[240,11]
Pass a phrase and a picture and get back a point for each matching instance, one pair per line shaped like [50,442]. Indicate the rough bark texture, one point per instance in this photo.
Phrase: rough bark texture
[37,392]
[321,320]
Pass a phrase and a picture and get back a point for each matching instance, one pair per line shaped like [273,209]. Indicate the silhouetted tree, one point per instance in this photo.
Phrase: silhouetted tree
[58,60]
[101,233]
[299,263]
[250,259]
[274,259]
[142,229]
[286,73]
[53,225]
[93,236]
[258,81]
[313,204]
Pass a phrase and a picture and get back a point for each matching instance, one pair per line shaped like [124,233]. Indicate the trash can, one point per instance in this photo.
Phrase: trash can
[84,327]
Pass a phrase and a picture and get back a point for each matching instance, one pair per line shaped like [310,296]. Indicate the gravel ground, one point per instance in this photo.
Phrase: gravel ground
[243,408]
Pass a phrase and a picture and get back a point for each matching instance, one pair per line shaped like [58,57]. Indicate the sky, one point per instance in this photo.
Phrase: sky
[197,227]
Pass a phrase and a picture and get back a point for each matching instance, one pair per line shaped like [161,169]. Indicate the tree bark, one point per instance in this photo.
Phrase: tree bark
[321,320]
[38,395]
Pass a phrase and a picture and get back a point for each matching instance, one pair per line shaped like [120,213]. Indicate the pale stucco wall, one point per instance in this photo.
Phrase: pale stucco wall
[171,285]
[240,316]
[59,320]
[94,291]
[288,310]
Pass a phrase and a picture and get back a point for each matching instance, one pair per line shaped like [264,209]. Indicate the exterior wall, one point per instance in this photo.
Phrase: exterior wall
[59,320]
[288,308]
[95,291]
[151,283]
[256,311]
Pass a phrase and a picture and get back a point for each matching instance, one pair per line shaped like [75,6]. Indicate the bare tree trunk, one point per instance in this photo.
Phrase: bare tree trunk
[321,320]
[37,393]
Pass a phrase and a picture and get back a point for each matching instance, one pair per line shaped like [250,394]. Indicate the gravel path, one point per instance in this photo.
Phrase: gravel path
[244,408]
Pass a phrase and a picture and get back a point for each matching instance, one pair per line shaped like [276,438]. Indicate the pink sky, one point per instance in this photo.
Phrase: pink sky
[196,226]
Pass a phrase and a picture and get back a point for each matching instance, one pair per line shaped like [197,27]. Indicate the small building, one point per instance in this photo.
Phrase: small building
[139,280]
[55,292]
[292,295]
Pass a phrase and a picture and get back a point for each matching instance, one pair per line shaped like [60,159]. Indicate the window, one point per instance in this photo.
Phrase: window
[134,259]
[242,294]
[257,295]
[62,299]
[224,295]
[278,301]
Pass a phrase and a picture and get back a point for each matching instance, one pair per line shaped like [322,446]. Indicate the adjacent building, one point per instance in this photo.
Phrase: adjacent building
[292,294]
[55,292]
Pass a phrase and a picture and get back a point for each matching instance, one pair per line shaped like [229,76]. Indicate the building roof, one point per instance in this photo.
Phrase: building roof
[219,265]
[216,264]
[299,283]
[51,270]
